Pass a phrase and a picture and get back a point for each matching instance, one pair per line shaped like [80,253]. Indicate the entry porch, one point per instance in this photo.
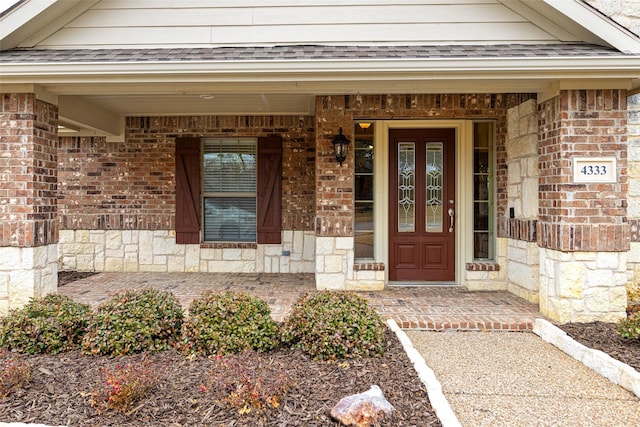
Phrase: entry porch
[418,307]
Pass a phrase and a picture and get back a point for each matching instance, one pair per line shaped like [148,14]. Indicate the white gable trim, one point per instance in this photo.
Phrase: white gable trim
[47,16]
[597,23]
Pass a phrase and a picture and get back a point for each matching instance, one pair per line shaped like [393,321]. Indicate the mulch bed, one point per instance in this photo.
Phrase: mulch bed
[603,336]
[62,386]
[65,277]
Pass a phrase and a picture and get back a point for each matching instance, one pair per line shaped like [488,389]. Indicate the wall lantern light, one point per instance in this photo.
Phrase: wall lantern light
[340,144]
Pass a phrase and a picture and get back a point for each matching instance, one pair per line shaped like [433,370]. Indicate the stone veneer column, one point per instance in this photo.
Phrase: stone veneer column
[582,229]
[523,268]
[633,199]
[28,211]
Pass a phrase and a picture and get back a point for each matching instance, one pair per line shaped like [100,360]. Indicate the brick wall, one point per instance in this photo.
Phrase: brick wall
[334,184]
[28,134]
[582,217]
[131,185]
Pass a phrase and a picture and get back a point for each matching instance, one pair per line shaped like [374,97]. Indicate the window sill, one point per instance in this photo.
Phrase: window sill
[483,266]
[229,245]
[368,266]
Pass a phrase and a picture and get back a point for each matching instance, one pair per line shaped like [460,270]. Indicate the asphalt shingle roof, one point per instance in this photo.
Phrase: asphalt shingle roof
[308,52]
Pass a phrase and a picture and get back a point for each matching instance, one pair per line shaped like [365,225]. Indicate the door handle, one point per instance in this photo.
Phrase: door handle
[451,215]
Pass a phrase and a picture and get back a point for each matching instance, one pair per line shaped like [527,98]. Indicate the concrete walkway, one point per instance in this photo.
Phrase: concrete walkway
[517,379]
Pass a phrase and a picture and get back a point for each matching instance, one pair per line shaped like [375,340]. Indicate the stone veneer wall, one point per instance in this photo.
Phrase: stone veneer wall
[624,12]
[157,251]
[582,229]
[28,214]
[523,264]
[334,183]
[633,198]
[583,286]
[117,199]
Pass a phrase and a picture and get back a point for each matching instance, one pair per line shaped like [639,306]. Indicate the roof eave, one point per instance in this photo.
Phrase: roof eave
[623,65]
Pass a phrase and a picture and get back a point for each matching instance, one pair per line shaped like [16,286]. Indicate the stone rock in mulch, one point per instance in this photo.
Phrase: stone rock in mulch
[362,409]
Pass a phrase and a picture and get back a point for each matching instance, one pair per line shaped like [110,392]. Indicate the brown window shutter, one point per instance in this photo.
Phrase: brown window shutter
[269,218]
[187,190]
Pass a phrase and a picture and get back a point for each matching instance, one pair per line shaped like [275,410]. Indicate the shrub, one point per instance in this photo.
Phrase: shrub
[123,385]
[335,325]
[247,382]
[15,374]
[228,323]
[135,321]
[633,298]
[51,324]
[630,327]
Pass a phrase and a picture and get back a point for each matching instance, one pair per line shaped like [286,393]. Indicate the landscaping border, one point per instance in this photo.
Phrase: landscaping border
[615,371]
[438,401]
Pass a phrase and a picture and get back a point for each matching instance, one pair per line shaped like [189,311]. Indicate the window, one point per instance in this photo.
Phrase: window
[229,190]
[483,197]
[364,203]
[235,183]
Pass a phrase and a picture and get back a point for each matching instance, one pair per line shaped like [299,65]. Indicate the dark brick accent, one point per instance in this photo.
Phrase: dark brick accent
[633,230]
[228,245]
[516,228]
[584,237]
[369,266]
[483,266]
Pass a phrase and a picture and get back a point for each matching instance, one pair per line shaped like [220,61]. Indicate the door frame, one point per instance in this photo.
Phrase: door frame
[464,187]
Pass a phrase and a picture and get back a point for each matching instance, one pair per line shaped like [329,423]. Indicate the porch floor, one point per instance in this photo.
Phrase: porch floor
[432,308]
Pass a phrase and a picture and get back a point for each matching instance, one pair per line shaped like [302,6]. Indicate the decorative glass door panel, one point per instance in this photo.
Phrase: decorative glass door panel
[433,218]
[406,187]
[422,219]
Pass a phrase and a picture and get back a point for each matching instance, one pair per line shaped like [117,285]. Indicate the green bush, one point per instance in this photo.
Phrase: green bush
[630,327]
[335,325]
[228,323]
[51,324]
[135,321]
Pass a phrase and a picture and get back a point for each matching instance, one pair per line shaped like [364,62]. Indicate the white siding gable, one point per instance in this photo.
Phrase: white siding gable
[187,23]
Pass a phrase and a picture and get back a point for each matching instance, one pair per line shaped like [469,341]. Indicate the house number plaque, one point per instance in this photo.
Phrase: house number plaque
[594,169]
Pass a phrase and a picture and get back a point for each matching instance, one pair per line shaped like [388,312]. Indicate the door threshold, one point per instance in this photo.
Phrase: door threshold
[414,283]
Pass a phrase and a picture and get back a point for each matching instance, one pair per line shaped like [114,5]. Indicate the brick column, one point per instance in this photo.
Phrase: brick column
[28,210]
[582,229]
[334,196]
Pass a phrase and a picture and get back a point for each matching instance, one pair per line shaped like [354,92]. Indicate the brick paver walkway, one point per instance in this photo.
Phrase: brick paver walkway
[434,308]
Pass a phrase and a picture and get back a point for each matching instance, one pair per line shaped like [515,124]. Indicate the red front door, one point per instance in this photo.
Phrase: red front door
[422,205]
